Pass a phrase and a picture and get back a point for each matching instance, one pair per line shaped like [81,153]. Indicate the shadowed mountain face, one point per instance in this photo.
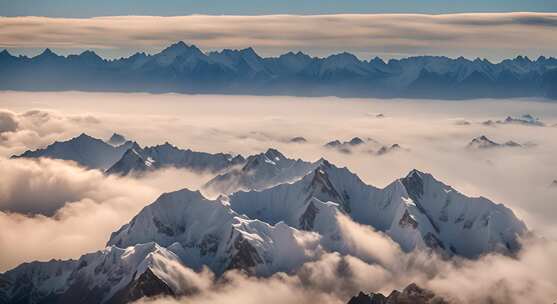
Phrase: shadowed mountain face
[87,151]
[412,294]
[185,68]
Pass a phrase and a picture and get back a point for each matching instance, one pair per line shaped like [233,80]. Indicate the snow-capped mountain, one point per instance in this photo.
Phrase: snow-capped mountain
[259,172]
[208,232]
[415,211]
[277,228]
[185,68]
[83,149]
[138,160]
[482,142]
[111,275]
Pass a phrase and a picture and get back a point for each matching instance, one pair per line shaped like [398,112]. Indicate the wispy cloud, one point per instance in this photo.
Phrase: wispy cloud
[491,35]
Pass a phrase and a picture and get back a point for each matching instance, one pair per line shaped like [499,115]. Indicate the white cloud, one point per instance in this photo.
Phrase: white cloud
[491,35]
[95,205]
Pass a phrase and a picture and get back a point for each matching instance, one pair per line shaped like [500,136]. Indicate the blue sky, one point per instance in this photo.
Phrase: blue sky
[88,8]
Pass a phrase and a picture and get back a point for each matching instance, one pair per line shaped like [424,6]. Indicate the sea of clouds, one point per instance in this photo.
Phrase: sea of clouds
[56,209]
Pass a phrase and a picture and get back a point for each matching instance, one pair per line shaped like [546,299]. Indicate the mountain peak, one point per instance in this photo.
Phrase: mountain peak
[84,136]
[47,53]
[5,53]
[248,51]
[274,154]
[90,55]
[179,49]
[116,139]
[415,172]
[178,45]
[356,141]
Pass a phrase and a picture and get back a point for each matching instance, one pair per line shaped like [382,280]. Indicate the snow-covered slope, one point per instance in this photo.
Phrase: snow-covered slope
[414,211]
[32,282]
[207,232]
[259,172]
[276,228]
[111,275]
[138,160]
[83,149]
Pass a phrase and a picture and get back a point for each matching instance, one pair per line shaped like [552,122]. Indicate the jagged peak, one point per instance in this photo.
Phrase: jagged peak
[249,51]
[89,53]
[5,53]
[178,45]
[415,173]
[47,53]
[116,139]
[272,154]
[84,136]
[324,162]
[180,48]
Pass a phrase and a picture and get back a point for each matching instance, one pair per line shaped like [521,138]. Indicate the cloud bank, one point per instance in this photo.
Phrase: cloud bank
[84,206]
[334,278]
[490,35]
[519,178]
[55,209]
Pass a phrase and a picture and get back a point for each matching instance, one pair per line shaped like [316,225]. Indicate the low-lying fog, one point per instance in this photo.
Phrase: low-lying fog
[433,134]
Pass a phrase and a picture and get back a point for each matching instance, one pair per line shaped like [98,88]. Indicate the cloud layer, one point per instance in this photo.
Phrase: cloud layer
[334,278]
[489,35]
[84,206]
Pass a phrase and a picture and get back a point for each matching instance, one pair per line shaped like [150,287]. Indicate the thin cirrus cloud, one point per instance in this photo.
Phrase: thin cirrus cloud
[490,35]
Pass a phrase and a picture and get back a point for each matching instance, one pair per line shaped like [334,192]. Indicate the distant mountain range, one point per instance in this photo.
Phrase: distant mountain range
[186,69]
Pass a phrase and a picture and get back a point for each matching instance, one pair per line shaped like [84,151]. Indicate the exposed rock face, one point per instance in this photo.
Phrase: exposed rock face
[146,285]
[112,275]
[416,211]
[412,294]
[277,229]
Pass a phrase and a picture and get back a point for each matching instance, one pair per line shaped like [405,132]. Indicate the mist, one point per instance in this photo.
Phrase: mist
[62,210]
[334,278]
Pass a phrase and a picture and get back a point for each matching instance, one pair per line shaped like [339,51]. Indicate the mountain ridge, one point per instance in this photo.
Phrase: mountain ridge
[185,68]
[277,229]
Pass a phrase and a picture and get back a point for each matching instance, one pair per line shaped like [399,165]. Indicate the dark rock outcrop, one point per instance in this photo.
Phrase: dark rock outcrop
[412,294]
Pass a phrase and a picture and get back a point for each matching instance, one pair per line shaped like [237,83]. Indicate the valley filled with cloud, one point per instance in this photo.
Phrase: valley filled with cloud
[57,209]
